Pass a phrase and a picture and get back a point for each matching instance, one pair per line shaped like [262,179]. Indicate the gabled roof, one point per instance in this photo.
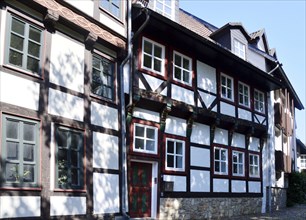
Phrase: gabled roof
[302,146]
[231,25]
[261,34]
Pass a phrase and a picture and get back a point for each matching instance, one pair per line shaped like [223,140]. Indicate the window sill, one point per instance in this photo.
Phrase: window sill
[181,84]
[22,71]
[103,99]
[20,188]
[70,190]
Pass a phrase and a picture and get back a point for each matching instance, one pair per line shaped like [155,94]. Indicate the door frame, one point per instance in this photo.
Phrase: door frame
[154,187]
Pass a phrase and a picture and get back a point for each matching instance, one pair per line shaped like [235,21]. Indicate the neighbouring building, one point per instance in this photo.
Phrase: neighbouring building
[132,109]
[301,156]
[60,108]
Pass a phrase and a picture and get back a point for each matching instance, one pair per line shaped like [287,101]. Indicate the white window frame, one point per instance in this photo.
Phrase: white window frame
[220,161]
[240,172]
[239,49]
[182,69]
[175,155]
[253,166]
[303,161]
[245,94]
[145,139]
[161,59]
[163,11]
[228,90]
[259,102]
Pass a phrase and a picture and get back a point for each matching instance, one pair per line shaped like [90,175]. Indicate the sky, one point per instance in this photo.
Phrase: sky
[284,24]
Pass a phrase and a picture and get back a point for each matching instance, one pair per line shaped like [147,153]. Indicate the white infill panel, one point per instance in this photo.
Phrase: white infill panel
[105,151]
[254,144]
[207,99]
[238,140]
[105,193]
[227,109]
[200,134]
[254,187]
[67,63]
[179,182]
[18,91]
[206,77]
[153,81]
[238,186]
[19,206]
[183,95]
[84,6]
[199,181]
[110,22]
[244,114]
[64,205]
[65,105]
[220,185]
[260,119]
[221,136]
[146,115]
[104,116]
[176,126]
[199,157]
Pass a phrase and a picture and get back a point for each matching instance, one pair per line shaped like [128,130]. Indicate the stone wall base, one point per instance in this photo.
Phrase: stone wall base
[208,208]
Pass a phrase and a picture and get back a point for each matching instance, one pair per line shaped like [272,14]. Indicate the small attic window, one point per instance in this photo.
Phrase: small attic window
[165,7]
[239,49]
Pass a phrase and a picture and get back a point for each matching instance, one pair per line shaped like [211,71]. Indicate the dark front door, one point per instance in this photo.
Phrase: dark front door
[140,189]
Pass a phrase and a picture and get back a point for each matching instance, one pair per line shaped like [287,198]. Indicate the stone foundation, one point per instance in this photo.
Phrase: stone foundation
[208,208]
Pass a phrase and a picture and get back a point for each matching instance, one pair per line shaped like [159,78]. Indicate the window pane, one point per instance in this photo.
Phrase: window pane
[16,42]
[12,150]
[179,148]
[235,170]
[139,131]
[170,147]
[157,65]
[186,64]
[147,61]
[150,145]
[177,73]
[235,157]
[75,177]
[240,169]
[96,87]
[148,47]
[12,129]
[170,161]
[139,144]
[28,152]
[150,133]
[177,60]
[62,138]
[34,49]
[35,34]
[33,64]
[223,167]
[186,76]
[179,162]
[74,159]
[217,166]
[62,158]
[251,159]
[28,132]
[15,58]
[62,178]
[157,51]
[223,155]
[96,62]
[18,26]
[28,174]
[217,154]
[11,172]
[75,140]
[240,158]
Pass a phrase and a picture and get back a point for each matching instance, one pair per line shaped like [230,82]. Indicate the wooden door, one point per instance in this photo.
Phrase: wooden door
[140,188]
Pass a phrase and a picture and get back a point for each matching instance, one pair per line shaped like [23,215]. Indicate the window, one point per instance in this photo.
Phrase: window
[145,139]
[24,45]
[259,101]
[153,55]
[182,68]
[221,161]
[244,94]
[20,152]
[165,7]
[175,155]
[69,158]
[239,49]
[102,77]
[238,163]
[303,161]
[227,87]
[114,7]
[254,165]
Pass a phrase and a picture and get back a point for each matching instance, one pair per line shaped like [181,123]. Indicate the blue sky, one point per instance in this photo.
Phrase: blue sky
[284,24]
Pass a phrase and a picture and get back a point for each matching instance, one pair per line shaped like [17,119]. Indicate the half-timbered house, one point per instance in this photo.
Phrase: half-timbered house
[199,116]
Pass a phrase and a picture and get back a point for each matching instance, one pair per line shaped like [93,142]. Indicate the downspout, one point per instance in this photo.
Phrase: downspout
[122,109]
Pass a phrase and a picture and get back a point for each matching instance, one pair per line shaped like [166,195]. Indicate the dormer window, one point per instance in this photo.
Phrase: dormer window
[239,49]
[165,7]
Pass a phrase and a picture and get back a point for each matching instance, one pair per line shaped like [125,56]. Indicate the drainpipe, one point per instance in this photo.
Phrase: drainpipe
[122,109]
[122,102]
